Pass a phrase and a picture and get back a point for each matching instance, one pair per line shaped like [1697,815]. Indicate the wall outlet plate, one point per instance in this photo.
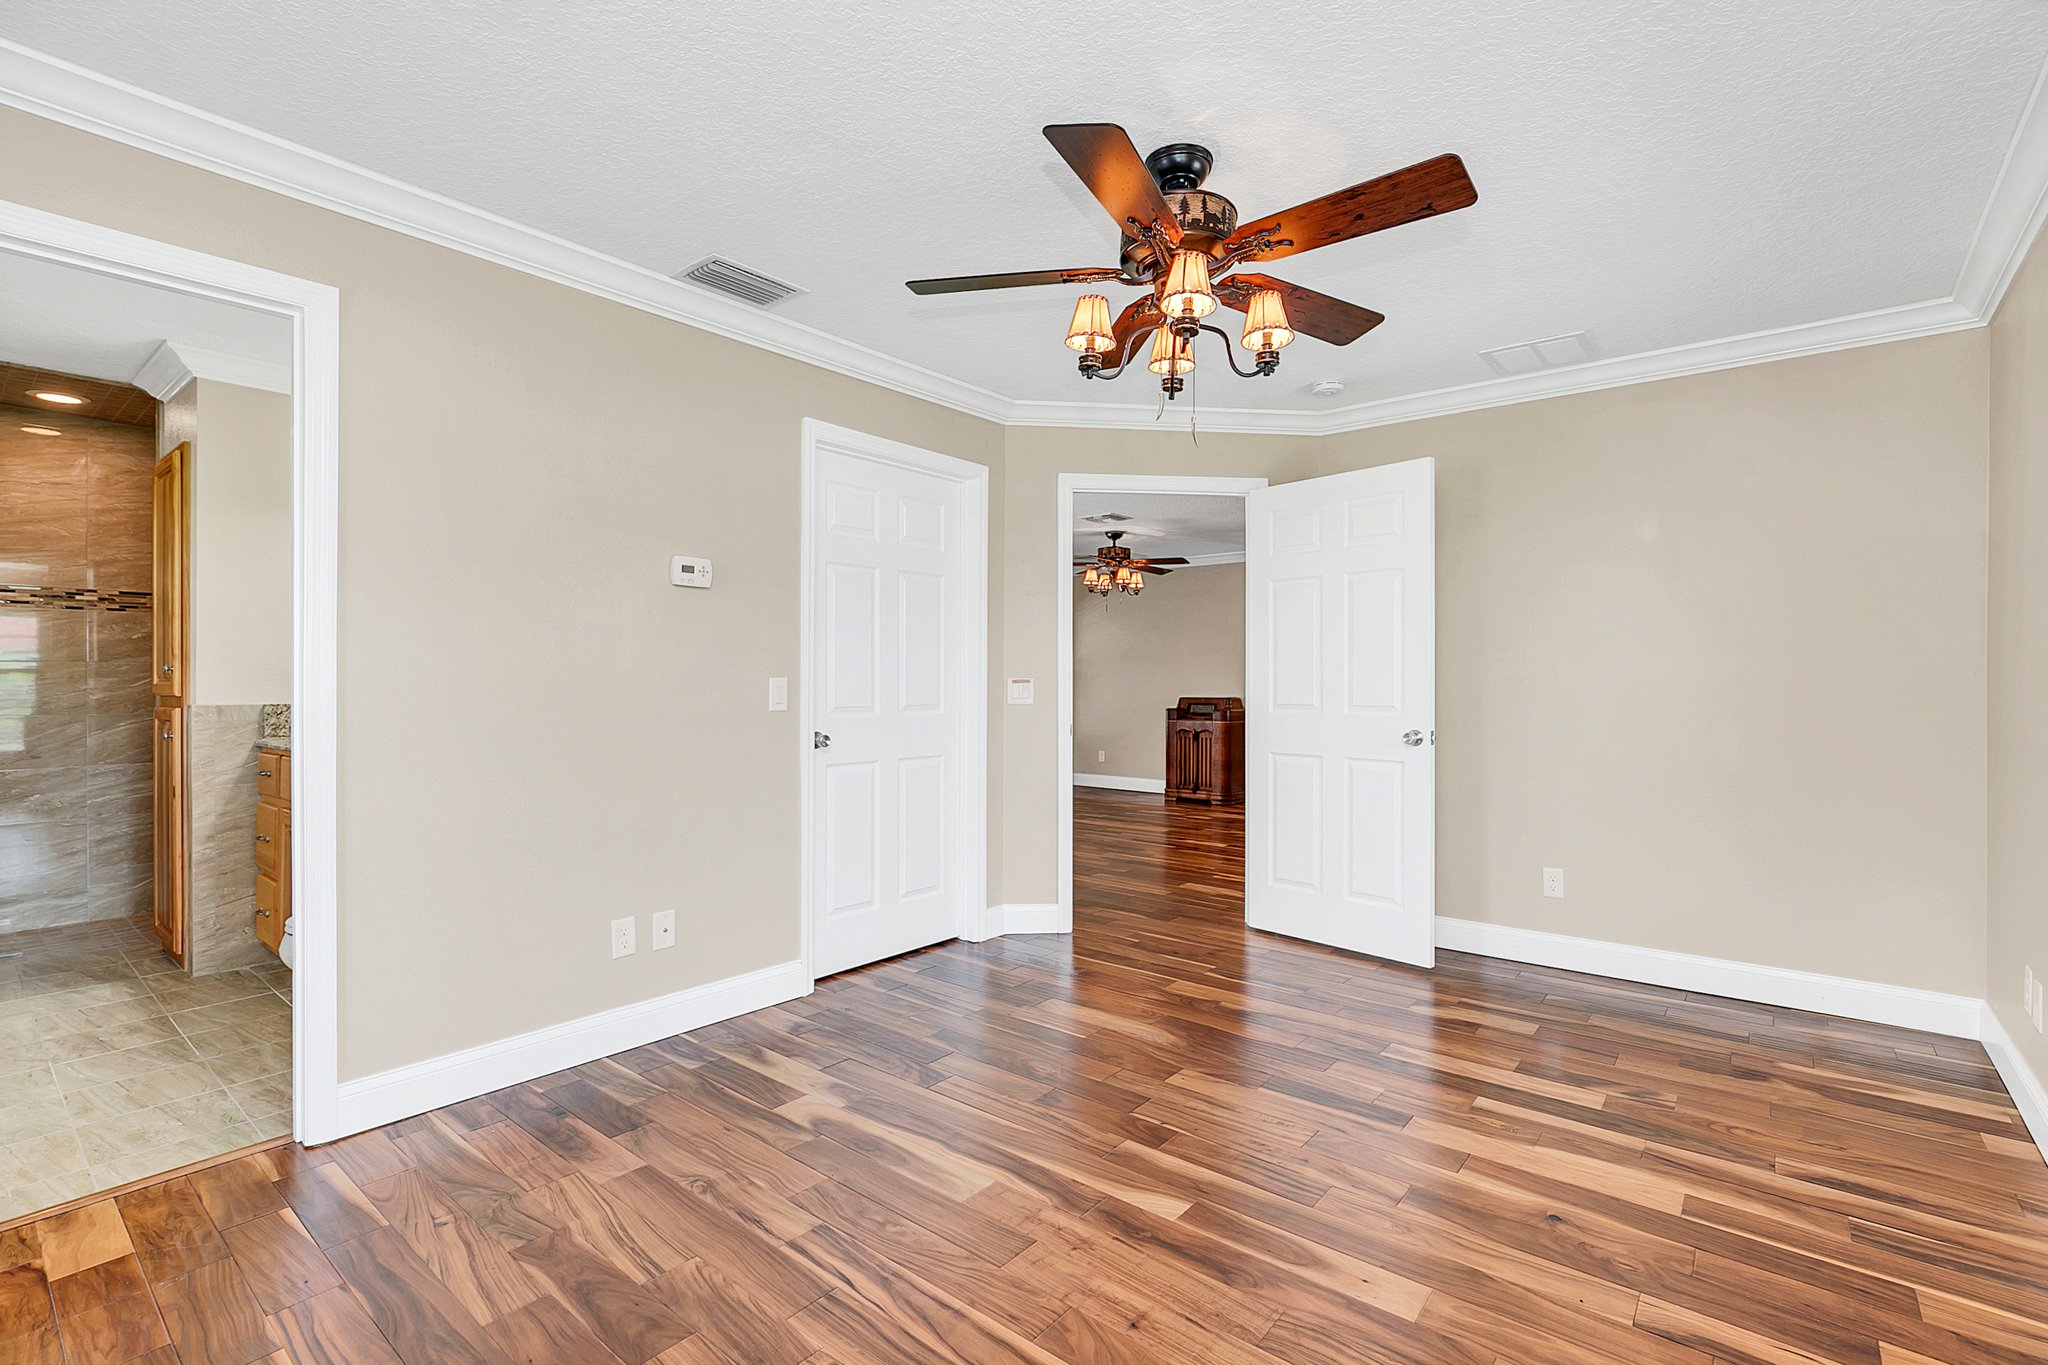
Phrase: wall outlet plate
[1553,881]
[662,933]
[624,941]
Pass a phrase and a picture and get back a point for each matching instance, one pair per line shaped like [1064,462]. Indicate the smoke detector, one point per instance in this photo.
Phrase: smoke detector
[1327,388]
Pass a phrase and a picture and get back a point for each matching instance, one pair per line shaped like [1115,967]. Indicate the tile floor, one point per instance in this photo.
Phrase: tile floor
[115,1065]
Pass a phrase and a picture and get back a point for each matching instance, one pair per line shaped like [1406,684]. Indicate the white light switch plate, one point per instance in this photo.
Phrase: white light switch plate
[662,934]
[778,694]
[1021,690]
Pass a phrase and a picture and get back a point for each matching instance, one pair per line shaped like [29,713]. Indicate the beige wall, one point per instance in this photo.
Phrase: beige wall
[241,492]
[1133,658]
[1715,646]
[2019,652]
[569,738]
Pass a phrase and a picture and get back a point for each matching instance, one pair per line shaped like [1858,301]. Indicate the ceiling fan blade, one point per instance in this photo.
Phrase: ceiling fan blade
[1141,316]
[1423,190]
[960,284]
[1147,568]
[1313,314]
[1161,559]
[1102,155]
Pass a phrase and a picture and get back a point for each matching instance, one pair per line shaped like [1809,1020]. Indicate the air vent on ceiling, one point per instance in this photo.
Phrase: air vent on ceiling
[728,277]
[1546,354]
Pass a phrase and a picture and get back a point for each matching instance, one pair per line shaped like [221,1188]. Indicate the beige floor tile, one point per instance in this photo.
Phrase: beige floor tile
[103,1102]
[265,1059]
[85,1072]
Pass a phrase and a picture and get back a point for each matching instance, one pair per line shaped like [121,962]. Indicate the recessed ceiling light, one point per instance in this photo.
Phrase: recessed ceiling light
[69,400]
[42,431]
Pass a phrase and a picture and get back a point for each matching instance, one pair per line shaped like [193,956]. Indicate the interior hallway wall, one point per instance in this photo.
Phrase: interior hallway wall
[1183,636]
[75,701]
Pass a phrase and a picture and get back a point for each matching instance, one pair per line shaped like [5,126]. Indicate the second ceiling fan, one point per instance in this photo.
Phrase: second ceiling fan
[1184,246]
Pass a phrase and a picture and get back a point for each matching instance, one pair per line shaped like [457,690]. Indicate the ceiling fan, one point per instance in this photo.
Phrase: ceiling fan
[1184,246]
[1113,570]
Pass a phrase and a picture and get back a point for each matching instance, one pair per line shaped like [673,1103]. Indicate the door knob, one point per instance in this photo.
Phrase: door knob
[1412,739]
[820,740]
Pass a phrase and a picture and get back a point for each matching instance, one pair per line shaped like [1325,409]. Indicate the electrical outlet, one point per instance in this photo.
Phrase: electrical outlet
[624,942]
[662,934]
[1553,881]
[1102,755]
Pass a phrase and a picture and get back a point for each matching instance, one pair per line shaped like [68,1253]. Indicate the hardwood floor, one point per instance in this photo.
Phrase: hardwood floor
[1166,1140]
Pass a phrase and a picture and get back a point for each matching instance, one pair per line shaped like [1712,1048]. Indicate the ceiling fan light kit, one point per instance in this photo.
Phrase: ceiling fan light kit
[1113,569]
[1183,245]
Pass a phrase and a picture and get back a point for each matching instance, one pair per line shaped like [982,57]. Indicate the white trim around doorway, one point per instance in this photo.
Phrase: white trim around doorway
[314,312]
[1061,920]
[971,658]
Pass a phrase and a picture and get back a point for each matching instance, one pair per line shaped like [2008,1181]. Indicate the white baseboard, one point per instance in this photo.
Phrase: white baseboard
[1959,1016]
[1121,784]
[408,1090]
[2028,1094]
[1022,919]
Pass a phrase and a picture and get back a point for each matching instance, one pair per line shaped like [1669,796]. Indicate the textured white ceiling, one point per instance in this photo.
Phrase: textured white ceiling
[59,317]
[1191,524]
[1655,174]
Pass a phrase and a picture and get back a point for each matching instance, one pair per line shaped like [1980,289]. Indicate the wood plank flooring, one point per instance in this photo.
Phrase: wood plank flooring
[1167,1140]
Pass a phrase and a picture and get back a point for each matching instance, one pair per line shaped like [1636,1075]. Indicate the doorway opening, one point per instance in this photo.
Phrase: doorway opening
[1338,693]
[1127,659]
[167,546]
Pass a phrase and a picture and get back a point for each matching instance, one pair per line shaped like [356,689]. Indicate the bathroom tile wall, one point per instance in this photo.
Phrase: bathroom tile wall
[74,669]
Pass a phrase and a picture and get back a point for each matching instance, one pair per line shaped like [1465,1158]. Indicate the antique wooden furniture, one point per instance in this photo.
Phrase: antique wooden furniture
[1205,750]
[273,844]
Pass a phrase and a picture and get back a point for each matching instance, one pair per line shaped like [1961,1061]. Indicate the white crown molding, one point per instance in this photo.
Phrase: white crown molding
[72,95]
[1957,1016]
[404,1091]
[2014,213]
[163,374]
[173,365]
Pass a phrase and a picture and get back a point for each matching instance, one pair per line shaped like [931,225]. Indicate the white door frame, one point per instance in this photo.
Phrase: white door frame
[1069,485]
[970,658]
[314,312]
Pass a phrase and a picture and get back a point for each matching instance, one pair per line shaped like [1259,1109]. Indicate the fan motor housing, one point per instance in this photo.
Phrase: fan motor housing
[1206,221]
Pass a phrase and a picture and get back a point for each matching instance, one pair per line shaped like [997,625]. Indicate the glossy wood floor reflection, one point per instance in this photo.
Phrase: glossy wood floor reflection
[1168,1140]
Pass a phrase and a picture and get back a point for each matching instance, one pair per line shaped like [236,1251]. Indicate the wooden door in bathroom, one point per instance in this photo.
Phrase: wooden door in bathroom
[170,577]
[167,804]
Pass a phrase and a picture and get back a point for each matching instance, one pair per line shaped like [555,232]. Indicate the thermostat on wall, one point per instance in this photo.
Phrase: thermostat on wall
[685,572]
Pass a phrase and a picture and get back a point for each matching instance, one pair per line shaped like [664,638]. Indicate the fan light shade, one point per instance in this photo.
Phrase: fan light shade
[1090,331]
[1171,355]
[1266,327]
[1188,294]
[1091,578]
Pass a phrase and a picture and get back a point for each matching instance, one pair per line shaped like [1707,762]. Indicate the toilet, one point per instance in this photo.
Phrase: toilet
[288,946]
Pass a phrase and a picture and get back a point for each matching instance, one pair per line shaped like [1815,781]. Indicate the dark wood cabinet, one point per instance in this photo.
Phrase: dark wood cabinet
[1205,750]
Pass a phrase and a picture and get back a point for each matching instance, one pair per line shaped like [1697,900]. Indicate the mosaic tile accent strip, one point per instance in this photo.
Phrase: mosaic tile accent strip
[73,599]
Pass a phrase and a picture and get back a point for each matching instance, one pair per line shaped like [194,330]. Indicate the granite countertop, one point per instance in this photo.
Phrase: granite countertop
[280,743]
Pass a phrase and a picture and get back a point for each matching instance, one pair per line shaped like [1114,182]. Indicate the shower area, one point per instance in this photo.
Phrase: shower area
[75,695]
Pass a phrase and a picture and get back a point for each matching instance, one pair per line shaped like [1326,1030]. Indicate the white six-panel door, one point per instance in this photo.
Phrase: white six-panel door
[1340,697]
[893,811]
